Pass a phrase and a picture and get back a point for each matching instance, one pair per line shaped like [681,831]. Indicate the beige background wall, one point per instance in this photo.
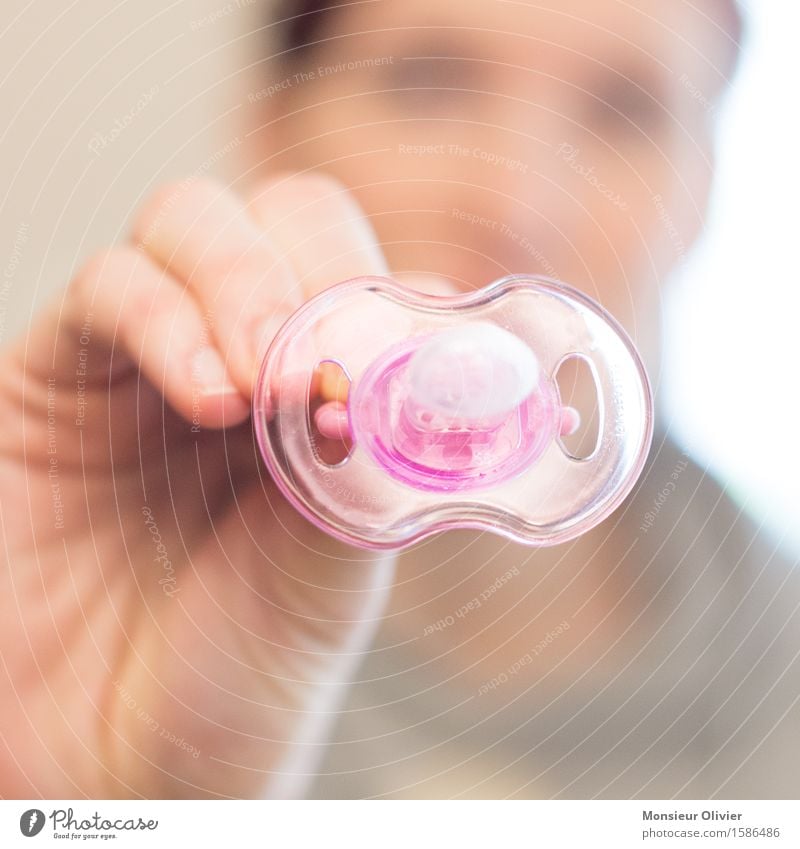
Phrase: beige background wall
[101,101]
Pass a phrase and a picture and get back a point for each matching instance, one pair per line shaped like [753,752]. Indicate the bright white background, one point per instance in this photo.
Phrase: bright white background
[732,316]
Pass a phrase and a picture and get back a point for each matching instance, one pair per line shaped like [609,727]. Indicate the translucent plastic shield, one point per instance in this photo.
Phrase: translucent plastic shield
[453,412]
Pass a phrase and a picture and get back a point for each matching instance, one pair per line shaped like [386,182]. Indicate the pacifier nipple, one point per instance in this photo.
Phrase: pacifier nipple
[472,374]
[462,408]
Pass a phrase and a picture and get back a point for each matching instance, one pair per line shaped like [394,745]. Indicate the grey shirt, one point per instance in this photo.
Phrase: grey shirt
[697,698]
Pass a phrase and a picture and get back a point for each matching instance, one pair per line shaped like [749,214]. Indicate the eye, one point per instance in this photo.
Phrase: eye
[434,72]
[441,82]
[625,105]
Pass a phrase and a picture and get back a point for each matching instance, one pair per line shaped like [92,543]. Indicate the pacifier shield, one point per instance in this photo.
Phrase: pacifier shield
[453,411]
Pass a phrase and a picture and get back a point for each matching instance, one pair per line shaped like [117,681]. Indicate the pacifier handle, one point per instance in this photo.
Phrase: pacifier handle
[599,481]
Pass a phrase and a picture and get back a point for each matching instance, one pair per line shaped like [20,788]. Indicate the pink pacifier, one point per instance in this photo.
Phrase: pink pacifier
[451,412]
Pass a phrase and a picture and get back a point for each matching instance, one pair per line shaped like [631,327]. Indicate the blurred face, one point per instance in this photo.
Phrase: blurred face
[567,138]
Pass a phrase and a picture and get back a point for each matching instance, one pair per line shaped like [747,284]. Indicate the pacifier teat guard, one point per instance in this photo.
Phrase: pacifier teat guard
[452,412]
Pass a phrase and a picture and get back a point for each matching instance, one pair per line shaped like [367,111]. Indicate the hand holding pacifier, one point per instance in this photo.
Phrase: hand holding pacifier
[453,412]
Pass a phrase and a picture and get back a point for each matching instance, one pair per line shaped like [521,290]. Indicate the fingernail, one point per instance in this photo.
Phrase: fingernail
[209,372]
[332,421]
[570,421]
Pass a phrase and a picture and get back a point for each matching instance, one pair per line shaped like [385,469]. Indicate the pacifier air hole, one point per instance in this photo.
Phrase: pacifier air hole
[577,390]
[327,413]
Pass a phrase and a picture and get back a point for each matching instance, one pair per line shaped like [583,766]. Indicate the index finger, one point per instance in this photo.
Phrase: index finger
[202,233]
[319,227]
